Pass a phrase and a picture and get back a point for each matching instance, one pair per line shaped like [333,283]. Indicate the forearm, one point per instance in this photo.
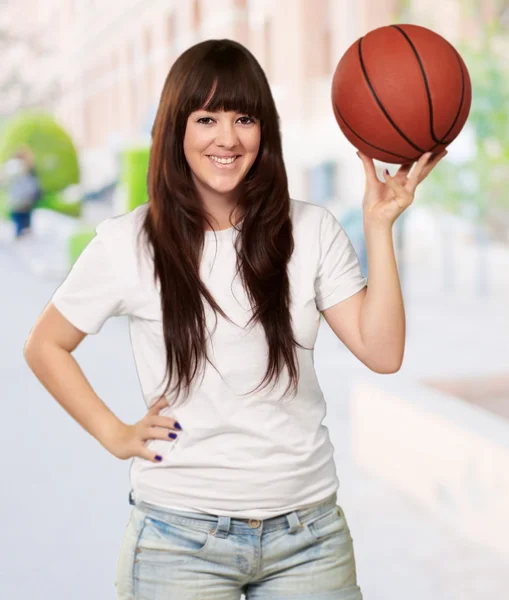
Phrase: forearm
[382,321]
[62,376]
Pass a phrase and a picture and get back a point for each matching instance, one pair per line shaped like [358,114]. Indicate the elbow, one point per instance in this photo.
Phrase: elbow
[386,369]
[31,351]
[28,353]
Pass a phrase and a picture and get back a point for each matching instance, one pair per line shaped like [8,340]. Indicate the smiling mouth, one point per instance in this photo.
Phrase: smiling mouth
[224,157]
[222,164]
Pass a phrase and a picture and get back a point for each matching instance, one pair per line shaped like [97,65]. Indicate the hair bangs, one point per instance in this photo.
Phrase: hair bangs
[231,87]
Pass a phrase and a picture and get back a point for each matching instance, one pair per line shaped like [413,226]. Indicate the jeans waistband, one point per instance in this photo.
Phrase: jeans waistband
[225,522]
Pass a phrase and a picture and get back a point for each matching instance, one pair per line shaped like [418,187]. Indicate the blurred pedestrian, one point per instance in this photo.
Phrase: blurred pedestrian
[23,189]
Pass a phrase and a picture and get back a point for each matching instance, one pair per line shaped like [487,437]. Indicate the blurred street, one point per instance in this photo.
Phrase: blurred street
[402,552]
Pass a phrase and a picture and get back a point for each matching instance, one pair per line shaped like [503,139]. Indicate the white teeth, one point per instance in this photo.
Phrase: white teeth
[223,161]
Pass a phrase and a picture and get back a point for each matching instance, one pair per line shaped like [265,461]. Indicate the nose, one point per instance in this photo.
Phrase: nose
[227,136]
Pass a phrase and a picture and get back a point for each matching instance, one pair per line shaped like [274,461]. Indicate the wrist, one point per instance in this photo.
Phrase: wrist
[109,429]
[377,228]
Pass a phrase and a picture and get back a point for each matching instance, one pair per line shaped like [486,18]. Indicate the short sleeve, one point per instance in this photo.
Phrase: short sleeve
[91,293]
[339,274]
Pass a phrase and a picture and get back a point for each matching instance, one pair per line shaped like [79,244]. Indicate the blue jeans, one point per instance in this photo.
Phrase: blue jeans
[304,555]
[22,220]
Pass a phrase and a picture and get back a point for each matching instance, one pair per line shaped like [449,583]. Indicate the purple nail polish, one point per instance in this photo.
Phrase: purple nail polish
[172,435]
[387,171]
[177,425]
[159,457]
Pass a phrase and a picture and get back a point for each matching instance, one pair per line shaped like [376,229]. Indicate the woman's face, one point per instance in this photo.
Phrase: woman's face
[223,135]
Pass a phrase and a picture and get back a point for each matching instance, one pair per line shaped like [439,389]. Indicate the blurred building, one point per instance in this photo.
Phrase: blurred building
[108,61]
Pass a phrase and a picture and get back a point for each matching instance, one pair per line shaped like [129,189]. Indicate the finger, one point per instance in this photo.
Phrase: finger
[148,455]
[400,191]
[369,167]
[438,155]
[158,405]
[413,180]
[157,421]
[430,165]
[402,172]
[156,433]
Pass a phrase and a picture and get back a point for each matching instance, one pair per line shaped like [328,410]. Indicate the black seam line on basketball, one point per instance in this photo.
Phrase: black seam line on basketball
[428,93]
[366,141]
[426,85]
[462,92]
[381,105]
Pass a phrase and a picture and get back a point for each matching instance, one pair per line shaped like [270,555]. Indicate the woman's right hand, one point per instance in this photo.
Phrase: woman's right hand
[129,440]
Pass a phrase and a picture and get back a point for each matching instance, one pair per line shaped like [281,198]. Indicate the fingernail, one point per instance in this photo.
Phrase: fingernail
[172,435]
[177,425]
[387,171]
[159,457]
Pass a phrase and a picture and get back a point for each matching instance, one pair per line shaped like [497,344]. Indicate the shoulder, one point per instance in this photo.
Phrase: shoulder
[308,217]
[121,239]
[122,225]
[119,233]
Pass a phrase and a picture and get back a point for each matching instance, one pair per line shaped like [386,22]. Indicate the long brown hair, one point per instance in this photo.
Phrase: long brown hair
[174,221]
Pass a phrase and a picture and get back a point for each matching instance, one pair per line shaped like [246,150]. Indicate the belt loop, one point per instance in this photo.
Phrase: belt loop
[223,527]
[293,521]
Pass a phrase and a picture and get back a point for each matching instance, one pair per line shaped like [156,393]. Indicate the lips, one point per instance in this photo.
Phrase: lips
[221,156]
[226,166]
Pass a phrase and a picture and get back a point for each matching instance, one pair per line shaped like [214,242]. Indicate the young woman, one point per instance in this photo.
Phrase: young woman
[223,278]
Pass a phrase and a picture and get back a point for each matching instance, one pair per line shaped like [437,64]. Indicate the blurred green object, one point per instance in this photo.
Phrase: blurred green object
[134,169]
[54,201]
[133,176]
[55,156]
[78,241]
[4,210]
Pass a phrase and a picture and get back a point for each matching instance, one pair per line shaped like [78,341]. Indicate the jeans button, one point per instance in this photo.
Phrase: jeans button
[254,523]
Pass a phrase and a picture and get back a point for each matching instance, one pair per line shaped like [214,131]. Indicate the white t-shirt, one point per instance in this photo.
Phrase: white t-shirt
[253,456]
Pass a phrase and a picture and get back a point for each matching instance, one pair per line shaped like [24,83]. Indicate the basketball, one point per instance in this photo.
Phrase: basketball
[401,91]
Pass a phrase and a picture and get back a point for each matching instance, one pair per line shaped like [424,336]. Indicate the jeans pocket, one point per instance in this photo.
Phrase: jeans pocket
[169,537]
[329,523]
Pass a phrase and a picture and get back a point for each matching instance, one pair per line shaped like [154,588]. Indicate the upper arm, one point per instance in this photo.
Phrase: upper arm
[344,320]
[53,328]
[340,287]
[92,292]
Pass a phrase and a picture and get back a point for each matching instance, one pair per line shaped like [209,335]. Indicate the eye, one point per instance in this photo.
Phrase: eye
[251,119]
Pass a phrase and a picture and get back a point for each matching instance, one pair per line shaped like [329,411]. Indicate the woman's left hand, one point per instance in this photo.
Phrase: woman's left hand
[384,202]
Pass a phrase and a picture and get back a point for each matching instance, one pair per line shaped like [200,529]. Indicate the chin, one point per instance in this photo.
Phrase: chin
[223,189]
